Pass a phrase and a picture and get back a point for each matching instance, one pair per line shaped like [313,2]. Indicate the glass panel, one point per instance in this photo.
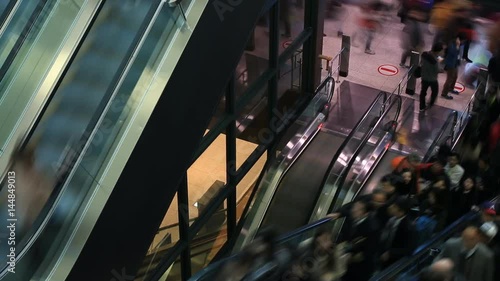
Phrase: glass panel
[291,21]
[34,59]
[205,246]
[207,176]
[81,187]
[247,184]
[6,8]
[20,19]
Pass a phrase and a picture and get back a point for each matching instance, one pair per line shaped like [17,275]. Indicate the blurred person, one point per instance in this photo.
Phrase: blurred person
[489,232]
[408,185]
[377,202]
[441,15]
[252,257]
[490,236]
[434,173]
[486,179]
[411,162]
[397,238]
[445,267]
[430,70]
[454,171]
[464,198]
[369,22]
[33,189]
[362,240]
[412,39]
[472,258]
[494,73]
[433,208]
[321,261]
[285,17]
[451,64]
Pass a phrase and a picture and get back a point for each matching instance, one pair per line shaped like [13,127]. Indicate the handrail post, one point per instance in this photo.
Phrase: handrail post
[412,81]
[454,126]
[344,57]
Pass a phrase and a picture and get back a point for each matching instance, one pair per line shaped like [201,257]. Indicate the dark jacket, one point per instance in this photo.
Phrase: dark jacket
[430,67]
[401,244]
[452,59]
[494,69]
[363,239]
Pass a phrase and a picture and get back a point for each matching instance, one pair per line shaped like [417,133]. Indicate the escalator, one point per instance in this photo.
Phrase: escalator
[93,109]
[37,43]
[94,92]
[348,193]
[370,180]
[6,8]
[299,182]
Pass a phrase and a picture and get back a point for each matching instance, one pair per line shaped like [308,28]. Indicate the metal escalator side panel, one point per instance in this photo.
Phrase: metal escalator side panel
[53,207]
[29,81]
[7,8]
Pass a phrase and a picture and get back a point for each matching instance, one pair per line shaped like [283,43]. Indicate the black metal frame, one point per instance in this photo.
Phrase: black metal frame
[227,124]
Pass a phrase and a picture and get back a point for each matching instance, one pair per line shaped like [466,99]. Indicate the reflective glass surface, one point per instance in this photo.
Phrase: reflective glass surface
[85,120]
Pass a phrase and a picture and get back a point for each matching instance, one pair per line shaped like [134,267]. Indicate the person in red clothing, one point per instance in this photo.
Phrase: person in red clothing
[494,135]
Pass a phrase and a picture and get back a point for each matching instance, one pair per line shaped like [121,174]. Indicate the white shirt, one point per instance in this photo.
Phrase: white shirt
[455,174]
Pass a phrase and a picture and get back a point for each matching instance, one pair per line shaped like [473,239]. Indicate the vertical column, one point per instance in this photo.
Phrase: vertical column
[314,17]
[412,81]
[272,87]
[231,158]
[344,56]
[183,211]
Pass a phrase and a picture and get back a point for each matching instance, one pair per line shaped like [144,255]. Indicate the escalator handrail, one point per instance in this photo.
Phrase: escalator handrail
[460,125]
[425,248]
[291,154]
[62,178]
[343,176]
[32,21]
[452,117]
[6,13]
[407,76]
[381,94]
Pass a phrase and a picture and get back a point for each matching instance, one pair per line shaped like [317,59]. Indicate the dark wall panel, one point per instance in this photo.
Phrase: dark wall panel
[149,181]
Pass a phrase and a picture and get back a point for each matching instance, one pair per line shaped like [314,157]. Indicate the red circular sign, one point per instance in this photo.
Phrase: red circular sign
[287,43]
[388,70]
[459,87]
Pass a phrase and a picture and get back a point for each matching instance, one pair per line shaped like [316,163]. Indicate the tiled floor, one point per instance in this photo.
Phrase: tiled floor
[386,44]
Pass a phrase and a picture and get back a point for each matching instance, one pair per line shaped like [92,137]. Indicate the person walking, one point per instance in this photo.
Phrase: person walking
[430,71]
[451,63]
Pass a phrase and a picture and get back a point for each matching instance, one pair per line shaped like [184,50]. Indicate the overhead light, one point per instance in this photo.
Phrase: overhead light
[196,204]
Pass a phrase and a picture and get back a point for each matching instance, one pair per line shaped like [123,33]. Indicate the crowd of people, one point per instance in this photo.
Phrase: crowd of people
[412,203]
